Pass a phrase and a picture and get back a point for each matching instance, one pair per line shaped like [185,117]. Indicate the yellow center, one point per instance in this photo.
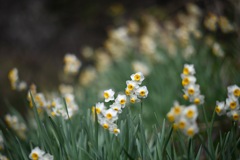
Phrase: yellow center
[177,110]
[53,104]
[142,93]
[98,110]
[190,132]
[35,156]
[185,81]
[109,116]
[115,131]
[185,97]
[181,125]
[123,101]
[127,92]
[132,100]
[235,116]
[137,77]
[170,117]
[217,109]
[106,95]
[185,71]
[190,114]
[115,109]
[197,101]
[236,92]
[233,105]
[105,126]
[191,91]
[38,98]
[68,100]
[130,87]
[53,114]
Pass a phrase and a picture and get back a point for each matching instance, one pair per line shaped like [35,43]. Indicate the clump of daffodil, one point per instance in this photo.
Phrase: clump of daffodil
[16,84]
[231,108]
[210,22]
[16,125]
[39,99]
[87,76]
[134,90]
[58,107]
[38,154]
[71,64]
[225,25]
[191,89]
[107,116]
[184,118]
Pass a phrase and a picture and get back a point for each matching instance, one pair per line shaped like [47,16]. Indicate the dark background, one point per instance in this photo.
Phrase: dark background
[36,34]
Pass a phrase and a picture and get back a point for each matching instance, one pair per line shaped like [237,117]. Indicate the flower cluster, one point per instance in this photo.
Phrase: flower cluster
[16,84]
[38,154]
[14,123]
[134,90]
[231,108]
[56,107]
[212,20]
[184,118]
[191,89]
[59,109]
[108,116]
[72,64]
[39,99]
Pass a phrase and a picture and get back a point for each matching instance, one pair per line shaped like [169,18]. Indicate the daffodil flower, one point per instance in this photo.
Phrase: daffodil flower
[142,92]
[137,77]
[108,95]
[220,108]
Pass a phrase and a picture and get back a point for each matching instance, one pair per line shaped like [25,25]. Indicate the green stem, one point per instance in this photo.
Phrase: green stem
[205,116]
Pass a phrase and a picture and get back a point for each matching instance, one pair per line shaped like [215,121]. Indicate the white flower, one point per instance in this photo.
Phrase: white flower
[121,99]
[108,95]
[193,89]
[186,80]
[117,107]
[197,99]
[110,114]
[234,114]
[188,69]
[182,123]
[220,108]
[191,112]
[2,157]
[137,77]
[142,92]
[47,157]
[134,98]
[132,85]
[232,103]
[233,90]
[100,107]
[191,130]
[72,64]
[114,130]
[105,123]
[36,153]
